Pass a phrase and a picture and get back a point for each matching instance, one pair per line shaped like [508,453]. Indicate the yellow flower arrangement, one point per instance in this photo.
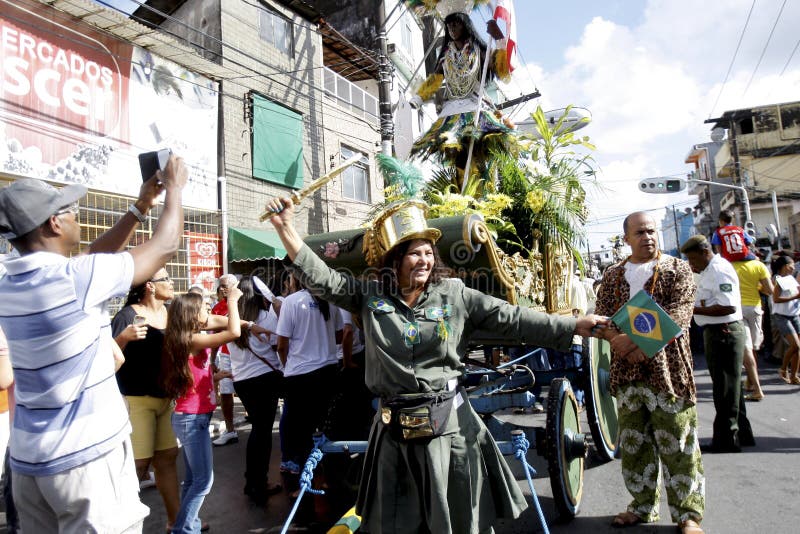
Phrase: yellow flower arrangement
[451,204]
[535,200]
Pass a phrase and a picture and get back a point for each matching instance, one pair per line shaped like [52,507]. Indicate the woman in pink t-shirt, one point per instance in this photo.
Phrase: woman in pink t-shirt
[187,377]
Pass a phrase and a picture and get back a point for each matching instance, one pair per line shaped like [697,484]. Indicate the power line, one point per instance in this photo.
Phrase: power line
[243,100]
[764,50]
[223,44]
[790,58]
[522,65]
[733,59]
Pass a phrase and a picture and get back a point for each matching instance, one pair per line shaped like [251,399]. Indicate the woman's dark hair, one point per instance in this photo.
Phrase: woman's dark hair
[324,306]
[250,305]
[390,266]
[278,281]
[182,322]
[136,294]
[469,35]
[779,263]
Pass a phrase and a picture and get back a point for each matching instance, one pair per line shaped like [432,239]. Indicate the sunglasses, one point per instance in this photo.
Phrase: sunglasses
[162,279]
[72,208]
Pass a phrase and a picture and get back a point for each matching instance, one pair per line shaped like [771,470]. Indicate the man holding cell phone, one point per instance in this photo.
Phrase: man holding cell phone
[72,465]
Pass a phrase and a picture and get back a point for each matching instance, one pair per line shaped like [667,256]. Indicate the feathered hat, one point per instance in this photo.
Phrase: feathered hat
[402,220]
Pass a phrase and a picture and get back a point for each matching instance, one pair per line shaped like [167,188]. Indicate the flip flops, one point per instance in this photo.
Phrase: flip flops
[626,519]
[690,527]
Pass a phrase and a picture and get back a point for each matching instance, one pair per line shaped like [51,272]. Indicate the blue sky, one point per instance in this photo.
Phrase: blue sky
[650,72]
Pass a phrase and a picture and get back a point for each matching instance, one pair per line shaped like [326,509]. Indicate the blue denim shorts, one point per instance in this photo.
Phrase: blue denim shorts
[787,324]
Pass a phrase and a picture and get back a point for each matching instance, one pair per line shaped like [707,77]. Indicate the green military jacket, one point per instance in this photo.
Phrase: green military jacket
[419,349]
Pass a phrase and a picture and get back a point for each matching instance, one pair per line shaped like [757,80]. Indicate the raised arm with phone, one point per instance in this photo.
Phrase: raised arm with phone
[42,224]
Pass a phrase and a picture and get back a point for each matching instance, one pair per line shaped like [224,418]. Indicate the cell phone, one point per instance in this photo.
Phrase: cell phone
[150,162]
[139,320]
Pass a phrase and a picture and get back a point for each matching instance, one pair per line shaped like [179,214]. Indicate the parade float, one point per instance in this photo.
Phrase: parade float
[510,204]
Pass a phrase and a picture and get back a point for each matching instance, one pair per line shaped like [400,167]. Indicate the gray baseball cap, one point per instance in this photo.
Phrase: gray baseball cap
[28,202]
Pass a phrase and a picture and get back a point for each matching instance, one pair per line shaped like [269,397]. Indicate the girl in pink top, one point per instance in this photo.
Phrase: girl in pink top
[188,378]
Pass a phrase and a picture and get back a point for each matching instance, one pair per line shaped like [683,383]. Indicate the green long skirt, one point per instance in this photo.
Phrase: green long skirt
[455,483]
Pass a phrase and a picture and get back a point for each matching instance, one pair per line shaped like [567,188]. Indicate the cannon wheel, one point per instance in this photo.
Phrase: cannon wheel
[601,405]
[566,448]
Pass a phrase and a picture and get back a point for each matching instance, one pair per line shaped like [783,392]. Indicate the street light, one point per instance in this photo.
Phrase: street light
[662,185]
[673,185]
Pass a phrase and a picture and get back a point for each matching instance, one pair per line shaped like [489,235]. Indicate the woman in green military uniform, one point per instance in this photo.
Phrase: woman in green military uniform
[431,465]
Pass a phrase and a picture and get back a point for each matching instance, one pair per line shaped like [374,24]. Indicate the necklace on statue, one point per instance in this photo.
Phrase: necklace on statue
[461,69]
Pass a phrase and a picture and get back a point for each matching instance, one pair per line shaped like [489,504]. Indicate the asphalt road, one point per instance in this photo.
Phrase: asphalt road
[754,491]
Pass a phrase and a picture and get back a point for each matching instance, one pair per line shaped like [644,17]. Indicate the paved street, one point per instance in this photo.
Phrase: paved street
[749,492]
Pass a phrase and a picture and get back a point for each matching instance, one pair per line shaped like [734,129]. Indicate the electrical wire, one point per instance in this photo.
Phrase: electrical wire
[243,100]
[615,217]
[522,65]
[223,44]
[733,59]
[796,45]
[232,80]
[764,50]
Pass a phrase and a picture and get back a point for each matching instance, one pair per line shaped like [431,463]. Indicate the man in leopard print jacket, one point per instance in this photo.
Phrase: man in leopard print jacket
[655,396]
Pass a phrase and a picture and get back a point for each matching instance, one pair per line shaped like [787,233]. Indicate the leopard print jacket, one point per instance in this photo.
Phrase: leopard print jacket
[670,370]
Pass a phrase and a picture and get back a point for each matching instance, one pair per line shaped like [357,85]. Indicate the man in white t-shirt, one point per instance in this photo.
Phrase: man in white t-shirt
[71,456]
[718,309]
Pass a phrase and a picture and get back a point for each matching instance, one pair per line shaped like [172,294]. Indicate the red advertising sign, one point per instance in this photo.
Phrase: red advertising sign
[78,105]
[60,81]
[205,259]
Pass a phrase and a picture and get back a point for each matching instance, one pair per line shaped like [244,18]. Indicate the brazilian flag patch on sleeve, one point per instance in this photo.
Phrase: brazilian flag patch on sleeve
[726,288]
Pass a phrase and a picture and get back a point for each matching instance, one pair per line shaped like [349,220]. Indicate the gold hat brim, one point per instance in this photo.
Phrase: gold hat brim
[431,234]
[399,222]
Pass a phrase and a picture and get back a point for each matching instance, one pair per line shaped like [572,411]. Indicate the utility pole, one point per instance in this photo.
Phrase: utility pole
[677,235]
[385,84]
[734,144]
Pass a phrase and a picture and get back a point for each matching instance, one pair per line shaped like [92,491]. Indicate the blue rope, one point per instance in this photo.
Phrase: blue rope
[521,446]
[306,478]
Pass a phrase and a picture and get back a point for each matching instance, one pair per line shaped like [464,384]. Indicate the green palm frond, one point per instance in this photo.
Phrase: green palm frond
[545,181]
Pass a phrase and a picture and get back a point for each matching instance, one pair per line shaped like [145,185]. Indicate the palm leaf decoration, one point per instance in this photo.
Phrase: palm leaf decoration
[545,182]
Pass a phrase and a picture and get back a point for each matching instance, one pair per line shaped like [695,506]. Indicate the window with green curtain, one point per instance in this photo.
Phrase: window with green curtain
[277,143]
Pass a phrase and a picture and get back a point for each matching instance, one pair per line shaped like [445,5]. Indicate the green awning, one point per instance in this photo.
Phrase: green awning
[245,244]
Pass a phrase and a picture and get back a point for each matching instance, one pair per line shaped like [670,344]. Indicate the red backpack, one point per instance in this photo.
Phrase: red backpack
[733,246]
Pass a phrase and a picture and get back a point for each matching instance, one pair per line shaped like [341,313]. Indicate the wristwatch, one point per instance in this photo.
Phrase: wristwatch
[136,213]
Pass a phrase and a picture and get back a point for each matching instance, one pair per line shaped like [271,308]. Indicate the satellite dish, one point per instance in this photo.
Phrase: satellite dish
[717,134]
[576,119]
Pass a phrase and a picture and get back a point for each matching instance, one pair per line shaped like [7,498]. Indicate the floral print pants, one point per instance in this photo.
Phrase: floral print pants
[658,439]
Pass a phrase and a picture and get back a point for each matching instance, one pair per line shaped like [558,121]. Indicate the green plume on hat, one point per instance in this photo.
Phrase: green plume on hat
[404,176]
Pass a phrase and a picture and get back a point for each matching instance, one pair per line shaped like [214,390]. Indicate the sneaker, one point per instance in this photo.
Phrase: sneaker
[227,437]
[149,482]
[290,467]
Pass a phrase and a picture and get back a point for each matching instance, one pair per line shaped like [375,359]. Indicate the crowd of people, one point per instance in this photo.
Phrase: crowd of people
[98,402]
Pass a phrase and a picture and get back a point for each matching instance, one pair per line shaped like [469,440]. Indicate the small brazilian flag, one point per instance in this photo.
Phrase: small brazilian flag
[646,323]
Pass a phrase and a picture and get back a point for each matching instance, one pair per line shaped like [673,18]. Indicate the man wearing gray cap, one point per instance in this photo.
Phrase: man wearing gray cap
[71,456]
[718,309]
